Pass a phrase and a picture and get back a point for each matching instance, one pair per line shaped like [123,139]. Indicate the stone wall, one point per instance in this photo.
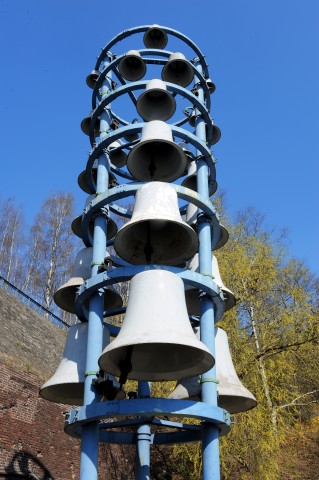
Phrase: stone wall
[33,444]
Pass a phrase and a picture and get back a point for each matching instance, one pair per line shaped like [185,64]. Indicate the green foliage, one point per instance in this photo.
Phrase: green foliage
[273,336]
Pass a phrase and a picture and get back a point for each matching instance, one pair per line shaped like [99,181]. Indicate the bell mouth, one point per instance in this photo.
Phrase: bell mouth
[158,361]
[169,242]
[156,160]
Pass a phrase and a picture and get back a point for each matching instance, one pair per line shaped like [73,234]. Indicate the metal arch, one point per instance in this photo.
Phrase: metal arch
[143,28]
[121,274]
[183,432]
[152,61]
[109,98]
[149,407]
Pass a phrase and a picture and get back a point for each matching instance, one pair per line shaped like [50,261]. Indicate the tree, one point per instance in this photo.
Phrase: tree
[11,241]
[52,248]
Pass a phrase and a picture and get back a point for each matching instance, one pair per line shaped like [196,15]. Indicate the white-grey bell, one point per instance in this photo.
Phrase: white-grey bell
[156,156]
[117,157]
[131,137]
[76,224]
[232,395]
[92,77]
[156,103]
[65,295]
[191,180]
[178,70]
[156,232]
[155,37]
[82,181]
[132,67]
[191,219]
[211,86]
[66,386]
[156,341]
[85,126]
[191,294]
[216,130]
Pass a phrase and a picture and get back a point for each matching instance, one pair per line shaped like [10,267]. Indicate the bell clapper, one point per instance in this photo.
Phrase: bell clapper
[148,249]
[125,366]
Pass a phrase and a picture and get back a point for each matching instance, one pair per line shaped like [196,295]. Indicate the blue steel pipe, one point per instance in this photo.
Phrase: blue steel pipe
[90,433]
[143,440]
[210,442]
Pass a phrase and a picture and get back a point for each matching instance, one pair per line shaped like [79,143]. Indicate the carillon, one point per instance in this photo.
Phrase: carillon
[161,159]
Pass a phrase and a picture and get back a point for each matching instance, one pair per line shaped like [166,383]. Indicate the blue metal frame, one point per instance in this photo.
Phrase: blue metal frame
[100,421]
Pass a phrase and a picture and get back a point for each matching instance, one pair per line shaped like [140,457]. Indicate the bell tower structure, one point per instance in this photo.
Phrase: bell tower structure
[160,155]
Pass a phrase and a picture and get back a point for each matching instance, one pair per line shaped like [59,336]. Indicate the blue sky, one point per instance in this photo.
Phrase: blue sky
[263,58]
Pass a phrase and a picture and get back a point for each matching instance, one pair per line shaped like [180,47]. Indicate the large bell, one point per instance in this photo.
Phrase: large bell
[155,37]
[156,232]
[191,219]
[156,103]
[191,180]
[65,295]
[132,67]
[192,298]
[178,70]
[232,395]
[76,224]
[156,156]
[117,157]
[67,383]
[85,126]
[156,341]
[82,181]
[92,77]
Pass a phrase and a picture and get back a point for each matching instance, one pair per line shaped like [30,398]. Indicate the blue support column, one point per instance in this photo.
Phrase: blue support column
[143,440]
[210,443]
[90,432]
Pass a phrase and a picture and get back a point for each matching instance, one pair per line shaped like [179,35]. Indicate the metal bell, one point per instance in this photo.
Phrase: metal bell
[92,77]
[192,299]
[76,224]
[188,153]
[132,67]
[156,156]
[65,295]
[232,395]
[67,383]
[85,126]
[191,180]
[191,219]
[156,103]
[131,137]
[155,37]
[156,232]
[117,157]
[211,86]
[216,130]
[82,181]
[156,341]
[178,70]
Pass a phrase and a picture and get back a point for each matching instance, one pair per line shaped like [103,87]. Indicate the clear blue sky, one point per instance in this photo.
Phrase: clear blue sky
[263,57]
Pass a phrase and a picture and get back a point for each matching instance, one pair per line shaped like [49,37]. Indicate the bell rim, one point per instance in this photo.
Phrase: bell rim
[207,361]
[179,172]
[168,96]
[155,27]
[132,78]
[166,67]
[182,225]
[76,227]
